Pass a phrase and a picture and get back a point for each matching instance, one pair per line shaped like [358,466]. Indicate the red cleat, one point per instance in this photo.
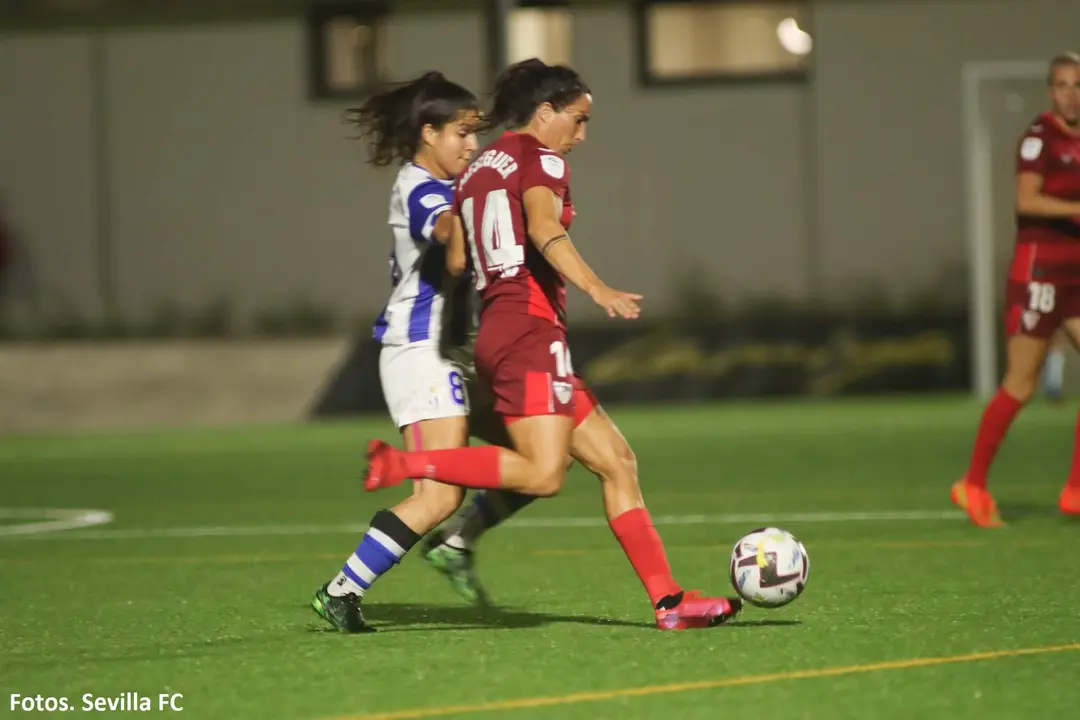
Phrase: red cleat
[1069,500]
[978,503]
[695,612]
[385,469]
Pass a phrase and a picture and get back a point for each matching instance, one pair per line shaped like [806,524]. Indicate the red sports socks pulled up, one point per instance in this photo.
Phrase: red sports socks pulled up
[996,419]
[471,467]
[642,545]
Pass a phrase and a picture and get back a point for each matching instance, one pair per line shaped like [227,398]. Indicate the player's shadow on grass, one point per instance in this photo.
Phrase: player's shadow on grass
[761,623]
[409,617]
[403,617]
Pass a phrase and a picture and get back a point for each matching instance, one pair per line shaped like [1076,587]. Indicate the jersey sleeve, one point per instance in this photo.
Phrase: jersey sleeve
[1031,152]
[546,170]
[426,202]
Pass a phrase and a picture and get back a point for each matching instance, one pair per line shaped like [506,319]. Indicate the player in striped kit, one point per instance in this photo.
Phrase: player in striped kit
[515,209]
[429,126]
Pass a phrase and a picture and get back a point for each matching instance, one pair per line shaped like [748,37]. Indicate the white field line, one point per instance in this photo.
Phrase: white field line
[49,520]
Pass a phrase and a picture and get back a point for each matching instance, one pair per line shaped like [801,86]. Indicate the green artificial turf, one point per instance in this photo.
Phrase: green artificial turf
[220,614]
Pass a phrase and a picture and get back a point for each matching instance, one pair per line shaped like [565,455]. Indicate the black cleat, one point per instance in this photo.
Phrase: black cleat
[342,612]
[459,567]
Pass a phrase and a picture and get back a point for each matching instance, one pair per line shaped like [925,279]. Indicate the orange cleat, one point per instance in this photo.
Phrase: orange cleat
[695,612]
[978,503]
[384,469]
[1069,500]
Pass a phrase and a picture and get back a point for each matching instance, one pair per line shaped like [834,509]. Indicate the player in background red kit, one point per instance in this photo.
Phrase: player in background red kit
[1043,289]
[514,206]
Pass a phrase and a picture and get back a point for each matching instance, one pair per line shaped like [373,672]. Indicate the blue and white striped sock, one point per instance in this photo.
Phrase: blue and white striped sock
[387,540]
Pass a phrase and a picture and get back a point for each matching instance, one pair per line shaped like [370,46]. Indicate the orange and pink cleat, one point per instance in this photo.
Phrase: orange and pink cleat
[978,503]
[694,612]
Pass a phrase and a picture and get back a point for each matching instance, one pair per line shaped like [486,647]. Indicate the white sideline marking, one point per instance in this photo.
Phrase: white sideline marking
[50,520]
[750,519]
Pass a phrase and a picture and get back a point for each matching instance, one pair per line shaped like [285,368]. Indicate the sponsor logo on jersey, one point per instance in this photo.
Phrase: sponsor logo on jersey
[432,201]
[1031,148]
[553,165]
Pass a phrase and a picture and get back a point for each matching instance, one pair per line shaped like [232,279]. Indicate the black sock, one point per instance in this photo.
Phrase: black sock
[487,510]
[386,522]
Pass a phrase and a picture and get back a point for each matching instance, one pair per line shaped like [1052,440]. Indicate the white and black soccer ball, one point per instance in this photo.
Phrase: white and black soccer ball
[769,567]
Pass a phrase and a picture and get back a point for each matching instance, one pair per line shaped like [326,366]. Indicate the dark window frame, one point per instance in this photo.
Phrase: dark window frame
[316,17]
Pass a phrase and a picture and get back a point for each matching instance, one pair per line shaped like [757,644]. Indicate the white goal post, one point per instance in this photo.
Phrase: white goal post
[985,283]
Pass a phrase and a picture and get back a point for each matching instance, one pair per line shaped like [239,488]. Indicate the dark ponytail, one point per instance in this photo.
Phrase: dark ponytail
[392,121]
[526,85]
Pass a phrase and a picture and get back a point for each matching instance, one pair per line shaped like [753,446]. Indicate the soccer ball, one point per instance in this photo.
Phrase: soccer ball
[769,567]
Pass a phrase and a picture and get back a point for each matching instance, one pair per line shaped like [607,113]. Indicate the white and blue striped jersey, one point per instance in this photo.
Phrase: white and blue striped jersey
[417,261]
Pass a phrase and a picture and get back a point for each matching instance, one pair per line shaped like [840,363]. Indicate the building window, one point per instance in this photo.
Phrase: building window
[540,29]
[346,53]
[722,41]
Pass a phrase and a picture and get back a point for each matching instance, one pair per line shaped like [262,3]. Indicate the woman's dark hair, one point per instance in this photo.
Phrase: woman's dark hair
[526,85]
[393,120]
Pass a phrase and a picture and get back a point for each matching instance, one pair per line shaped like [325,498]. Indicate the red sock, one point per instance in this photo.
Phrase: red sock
[1074,470]
[642,545]
[471,467]
[996,420]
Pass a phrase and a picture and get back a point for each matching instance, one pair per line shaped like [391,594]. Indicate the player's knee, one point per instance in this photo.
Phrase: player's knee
[1021,386]
[550,480]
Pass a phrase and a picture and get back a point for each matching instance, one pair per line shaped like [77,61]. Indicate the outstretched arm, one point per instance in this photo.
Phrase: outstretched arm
[551,239]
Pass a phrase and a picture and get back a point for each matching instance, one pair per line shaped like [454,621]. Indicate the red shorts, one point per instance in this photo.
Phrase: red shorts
[1037,309]
[525,362]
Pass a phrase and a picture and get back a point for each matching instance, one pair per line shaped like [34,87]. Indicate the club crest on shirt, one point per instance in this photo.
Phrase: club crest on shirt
[564,391]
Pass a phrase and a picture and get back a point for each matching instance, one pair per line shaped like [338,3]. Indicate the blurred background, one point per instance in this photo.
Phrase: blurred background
[190,237]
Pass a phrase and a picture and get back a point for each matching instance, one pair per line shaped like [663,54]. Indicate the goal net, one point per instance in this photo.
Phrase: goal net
[999,100]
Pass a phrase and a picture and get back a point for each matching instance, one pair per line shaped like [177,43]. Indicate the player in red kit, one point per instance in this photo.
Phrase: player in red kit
[1043,289]
[515,207]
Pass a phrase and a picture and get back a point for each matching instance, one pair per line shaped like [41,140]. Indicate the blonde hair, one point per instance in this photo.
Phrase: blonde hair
[1065,59]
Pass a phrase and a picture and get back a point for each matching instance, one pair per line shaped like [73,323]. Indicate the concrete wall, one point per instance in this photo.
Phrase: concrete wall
[128,386]
[216,176]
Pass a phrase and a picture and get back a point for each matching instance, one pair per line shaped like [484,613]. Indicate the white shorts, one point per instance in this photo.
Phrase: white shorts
[418,383]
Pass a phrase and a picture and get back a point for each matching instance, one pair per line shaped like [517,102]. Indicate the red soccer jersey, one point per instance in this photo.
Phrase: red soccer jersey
[1049,248]
[511,274]
[1051,151]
